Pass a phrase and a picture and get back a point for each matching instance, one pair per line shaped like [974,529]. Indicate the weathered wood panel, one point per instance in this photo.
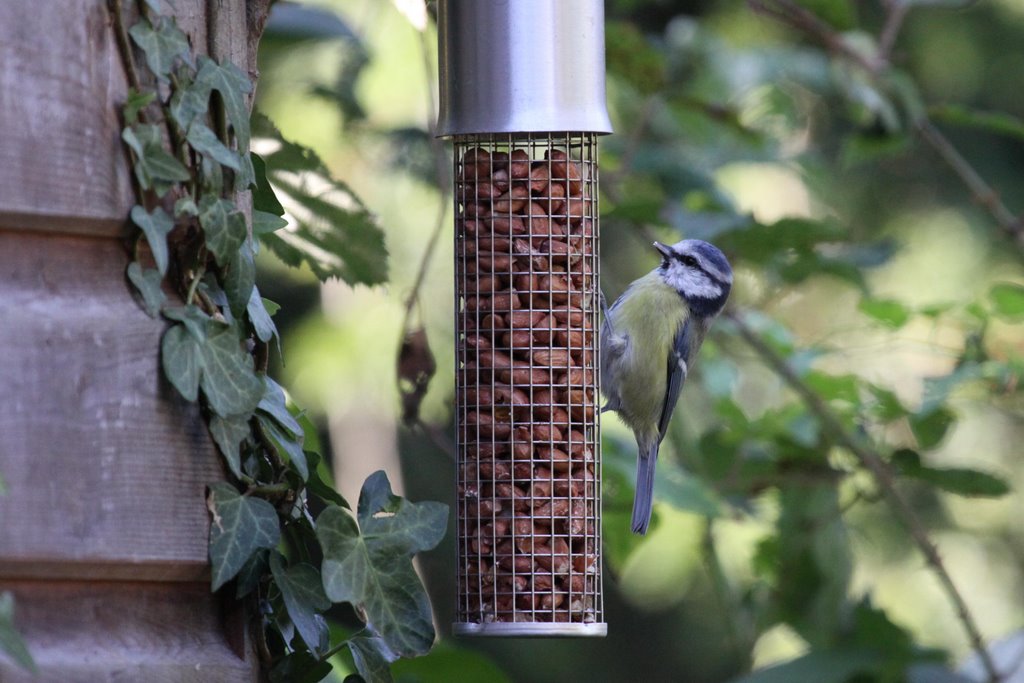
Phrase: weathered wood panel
[104,632]
[105,465]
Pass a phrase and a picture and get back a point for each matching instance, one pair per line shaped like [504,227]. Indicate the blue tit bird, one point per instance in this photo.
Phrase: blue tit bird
[649,340]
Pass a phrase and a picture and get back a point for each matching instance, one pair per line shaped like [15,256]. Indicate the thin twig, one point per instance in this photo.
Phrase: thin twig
[805,21]
[895,12]
[981,191]
[884,477]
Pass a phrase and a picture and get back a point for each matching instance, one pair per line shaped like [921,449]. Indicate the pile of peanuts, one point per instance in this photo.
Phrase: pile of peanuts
[527,413]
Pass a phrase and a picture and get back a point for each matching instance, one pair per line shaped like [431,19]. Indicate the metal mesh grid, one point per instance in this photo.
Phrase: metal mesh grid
[528,424]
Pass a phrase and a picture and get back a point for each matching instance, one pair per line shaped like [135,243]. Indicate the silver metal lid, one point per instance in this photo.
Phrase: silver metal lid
[521,66]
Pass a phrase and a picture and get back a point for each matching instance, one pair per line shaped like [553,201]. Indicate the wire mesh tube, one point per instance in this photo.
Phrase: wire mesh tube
[528,424]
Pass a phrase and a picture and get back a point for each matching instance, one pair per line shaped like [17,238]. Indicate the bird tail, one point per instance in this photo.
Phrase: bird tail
[646,459]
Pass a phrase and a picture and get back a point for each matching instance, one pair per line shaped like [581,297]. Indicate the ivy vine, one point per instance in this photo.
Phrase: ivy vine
[279,531]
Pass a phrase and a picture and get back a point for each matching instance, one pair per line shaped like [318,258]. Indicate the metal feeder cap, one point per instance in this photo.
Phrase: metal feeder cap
[521,66]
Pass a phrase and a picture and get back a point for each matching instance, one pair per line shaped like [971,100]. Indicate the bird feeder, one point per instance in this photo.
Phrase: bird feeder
[523,100]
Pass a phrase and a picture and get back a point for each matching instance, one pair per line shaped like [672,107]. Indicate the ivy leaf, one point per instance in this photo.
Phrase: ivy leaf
[205,141]
[251,573]
[291,446]
[147,282]
[275,405]
[186,206]
[233,85]
[369,564]
[224,226]
[155,168]
[262,324]
[228,433]
[889,312]
[135,102]
[11,642]
[228,380]
[189,102]
[318,486]
[372,658]
[300,667]
[194,319]
[156,226]
[241,526]
[303,593]
[959,480]
[240,279]
[1008,300]
[161,44]
[182,360]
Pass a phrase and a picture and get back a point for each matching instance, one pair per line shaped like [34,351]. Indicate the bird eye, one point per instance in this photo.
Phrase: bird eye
[689,261]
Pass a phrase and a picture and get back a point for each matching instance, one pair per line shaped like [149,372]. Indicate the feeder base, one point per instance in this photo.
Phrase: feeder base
[530,630]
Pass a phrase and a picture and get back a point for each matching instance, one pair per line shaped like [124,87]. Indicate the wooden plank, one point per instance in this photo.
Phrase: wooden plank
[63,166]
[105,464]
[135,631]
[60,76]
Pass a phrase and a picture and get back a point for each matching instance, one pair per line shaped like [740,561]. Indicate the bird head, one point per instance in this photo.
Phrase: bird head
[699,272]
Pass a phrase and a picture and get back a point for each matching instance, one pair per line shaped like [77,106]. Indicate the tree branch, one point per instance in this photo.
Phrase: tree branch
[801,19]
[883,475]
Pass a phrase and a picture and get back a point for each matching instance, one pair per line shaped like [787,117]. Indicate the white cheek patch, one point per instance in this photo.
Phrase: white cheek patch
[692,283]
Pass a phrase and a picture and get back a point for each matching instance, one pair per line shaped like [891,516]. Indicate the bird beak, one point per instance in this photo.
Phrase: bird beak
[664,250]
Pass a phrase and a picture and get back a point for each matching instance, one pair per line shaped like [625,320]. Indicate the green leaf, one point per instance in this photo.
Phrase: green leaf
[155,168]
[162,45]
[263,198]
[300,667]
[135,102]
[224,226]
[241,525]
[233,85]
[959,480]
[251,573]
[830,665]
[148,283]
[833,387]
[318,486]
[275,405]
[999,122]
[930,428]
[372,658]
[373,569]
[259,316]
[869,149]
[228,433]
[303,594]
[287,445]
[195,320]
[182,360]
[263,223]
[889,312]
[189,102]
[888,406]
[11,642]
[228,380]
[156,226]
[240,279]
[205,141]
[185,207]
[1008,300]
[333,233]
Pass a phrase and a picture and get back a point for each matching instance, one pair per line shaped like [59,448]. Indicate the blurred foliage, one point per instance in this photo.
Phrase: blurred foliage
[845,451]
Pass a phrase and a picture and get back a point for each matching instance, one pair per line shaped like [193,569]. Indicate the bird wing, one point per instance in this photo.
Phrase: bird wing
[678,366]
